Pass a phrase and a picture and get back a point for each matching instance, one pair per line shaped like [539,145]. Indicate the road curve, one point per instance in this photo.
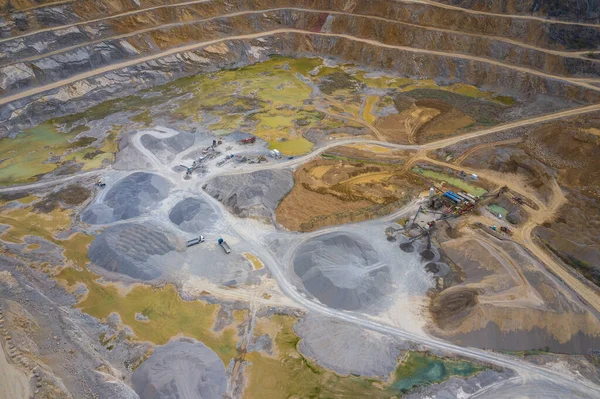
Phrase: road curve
[490,357]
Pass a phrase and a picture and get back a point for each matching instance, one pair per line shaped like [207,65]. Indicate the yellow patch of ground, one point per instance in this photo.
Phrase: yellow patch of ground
[368,111]
[28,199]
[288,374]
[292,147]
[592,130]
[319,171]
[168,315]
[254,261]
[378,149]
[365,178]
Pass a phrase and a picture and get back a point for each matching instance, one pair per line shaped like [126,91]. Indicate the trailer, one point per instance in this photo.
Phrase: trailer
[224,245]
[195,241]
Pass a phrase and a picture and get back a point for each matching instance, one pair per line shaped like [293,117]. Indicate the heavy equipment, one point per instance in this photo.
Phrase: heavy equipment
[194,241]
[249,140]
[224,245]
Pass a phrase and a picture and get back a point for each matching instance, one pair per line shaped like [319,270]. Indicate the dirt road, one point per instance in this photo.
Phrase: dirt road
[496,15]
[13,382]
[570,54]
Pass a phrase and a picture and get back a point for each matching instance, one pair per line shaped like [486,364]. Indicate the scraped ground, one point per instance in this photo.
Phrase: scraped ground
[347,185]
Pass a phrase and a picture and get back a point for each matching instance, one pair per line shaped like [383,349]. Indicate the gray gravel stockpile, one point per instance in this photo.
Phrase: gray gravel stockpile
[166,149]
[347,349]
[182,369]
[341,271]
[251,194]
[129,198]
[136,250]
[193,215]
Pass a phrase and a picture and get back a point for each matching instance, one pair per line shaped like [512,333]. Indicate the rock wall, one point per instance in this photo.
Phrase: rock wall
[82,94]
[566,10]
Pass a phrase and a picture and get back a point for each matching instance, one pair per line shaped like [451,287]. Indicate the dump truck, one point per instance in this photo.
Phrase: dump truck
[195,241]
[224,245]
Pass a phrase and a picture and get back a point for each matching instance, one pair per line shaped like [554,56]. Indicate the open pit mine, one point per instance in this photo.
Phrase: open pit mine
[299,199]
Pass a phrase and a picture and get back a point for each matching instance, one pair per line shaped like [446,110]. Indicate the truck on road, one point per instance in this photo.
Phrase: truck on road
[224,245]
[195,241]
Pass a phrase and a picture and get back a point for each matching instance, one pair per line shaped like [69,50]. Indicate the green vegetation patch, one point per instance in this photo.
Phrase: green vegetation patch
[453,181]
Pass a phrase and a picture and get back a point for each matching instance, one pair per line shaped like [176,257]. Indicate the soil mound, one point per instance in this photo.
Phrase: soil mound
[129,198]
[136,250]
[184,369]
[449,307]
[341,271]
[193,215]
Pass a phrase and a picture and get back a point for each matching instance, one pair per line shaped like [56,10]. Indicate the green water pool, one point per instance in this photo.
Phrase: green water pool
[423,369]
[497,209]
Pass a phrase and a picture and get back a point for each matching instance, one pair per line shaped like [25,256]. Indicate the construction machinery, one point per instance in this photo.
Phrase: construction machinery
[391,232]
[224,245]
[196,240]
[100,183]
[249,140]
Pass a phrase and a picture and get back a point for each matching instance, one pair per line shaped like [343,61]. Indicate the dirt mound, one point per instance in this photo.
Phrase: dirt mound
[193,215]
[129,198]
[342,271]
[568,145]
[136,250]
[185,369]
[450,306]
[329,192]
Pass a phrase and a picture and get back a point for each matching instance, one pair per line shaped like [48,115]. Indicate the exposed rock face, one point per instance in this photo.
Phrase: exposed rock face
[458,45]
[253,194]
[569,10]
